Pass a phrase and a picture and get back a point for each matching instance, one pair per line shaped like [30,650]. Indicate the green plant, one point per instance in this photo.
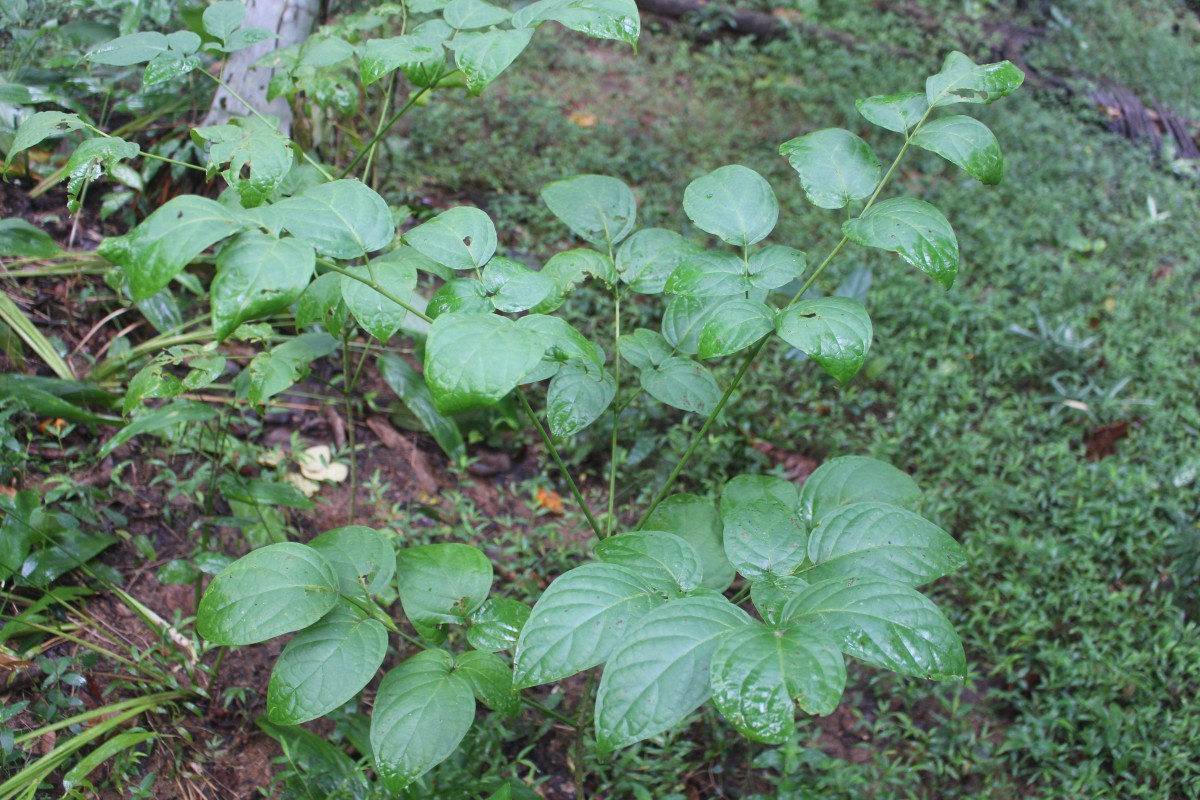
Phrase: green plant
[830,570]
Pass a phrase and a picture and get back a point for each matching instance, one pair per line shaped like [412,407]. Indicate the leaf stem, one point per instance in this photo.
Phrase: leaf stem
[383,129]
[416,312]
[546,440]
[616,423]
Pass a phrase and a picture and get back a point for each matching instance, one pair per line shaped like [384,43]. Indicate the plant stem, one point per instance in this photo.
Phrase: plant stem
[375,285]
[379,134]
[549,712]
[348,402]
[579,774]
[546,440]
[616,423]
[111,365]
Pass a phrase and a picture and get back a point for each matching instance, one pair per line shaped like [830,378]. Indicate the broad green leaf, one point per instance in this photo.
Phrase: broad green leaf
[883,623]
[496,625]
[647,258]
[774,266]
[460,296]
[514,286]
[278,369]
[771,594]
[570,267]
[598,209]
[262,492]
[322,302]
[167,241]
[465,15]
[125,51]
[324,50]
[965,142]
[600,19]
[252,156]
[764,536]
[562,341]
[579,620]
[178,413]
[342,219]
[483,56]
[40,126]
[684,319]
[709,273]
[643,348]
[17,533]
[474,360]
[258,275]
[665,560]
[324,666]
[915,230]
[854,479]
[184,42]
[92,159]
[734,203]
[380,57]
[46,398]
[224,17]
[20,238]
[442,583]
[835,331]
[460,238]
[408,384]
[491,680]
[696,521]
[878,540]
[758,673]
[269,592]
[378,315]
[579,393]
[961,80]
[362,558]
[739,324]
[835,166]
[742,490]
[682,383]
[894,112]
[246,37]
[659,673]
[422,711]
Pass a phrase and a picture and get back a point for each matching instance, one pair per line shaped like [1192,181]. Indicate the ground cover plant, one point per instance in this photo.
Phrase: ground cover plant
[956,752]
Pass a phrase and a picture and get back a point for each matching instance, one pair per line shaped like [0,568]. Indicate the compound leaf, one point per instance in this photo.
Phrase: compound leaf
[682,383]
[764,536]
[965,142]
[895,112]
[579,393]
[422,712]
[459,238]
[740,324]
[665,560]
[734,203]
[491,680]
[915,230]
[269,592]
[835,166]
[483,56]
[167,241]
[883,623]
[647,258]
[659,673]
[378,315]
[598,209]
[474,360]
[961,80]
[496,625]
[442,583]
[879,540]
[835,331]
[257,275]
[342,219]
[324,666]
[579,620]
[854,479]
